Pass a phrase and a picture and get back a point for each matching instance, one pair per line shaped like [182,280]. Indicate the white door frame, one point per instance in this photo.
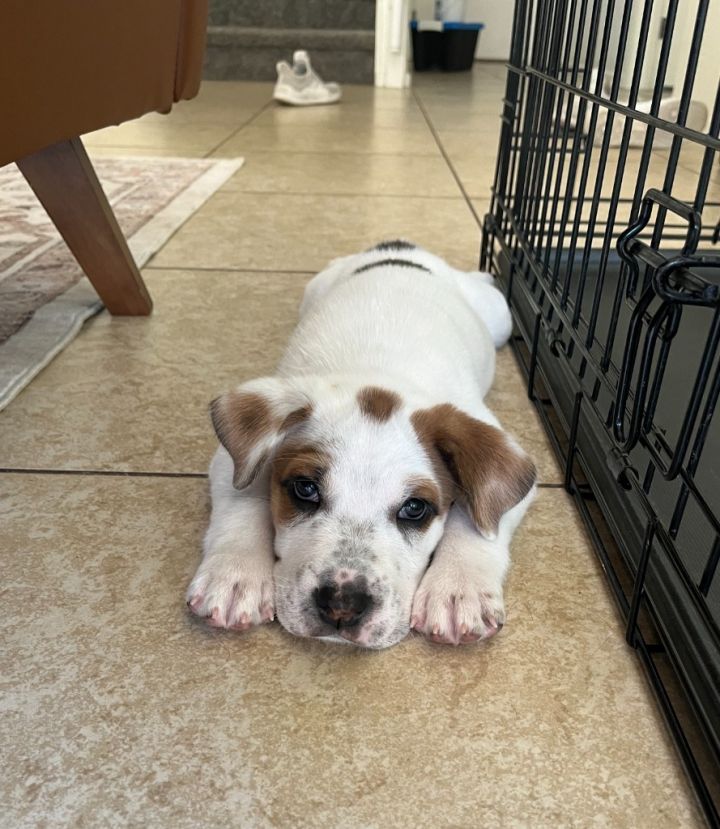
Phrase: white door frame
[392,43]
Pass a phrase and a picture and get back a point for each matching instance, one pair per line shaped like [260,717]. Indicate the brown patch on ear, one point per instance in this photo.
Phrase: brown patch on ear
[293,460]
[492,474]
[378,403]
[296,418]
[242,420]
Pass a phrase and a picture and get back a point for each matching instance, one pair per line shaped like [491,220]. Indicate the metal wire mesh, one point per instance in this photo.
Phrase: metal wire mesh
[603,229]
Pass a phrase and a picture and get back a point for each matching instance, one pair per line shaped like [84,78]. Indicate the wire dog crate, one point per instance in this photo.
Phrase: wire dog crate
[603,231]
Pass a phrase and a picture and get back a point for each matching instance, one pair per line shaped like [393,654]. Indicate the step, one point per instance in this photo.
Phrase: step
[250,53]
[294,14]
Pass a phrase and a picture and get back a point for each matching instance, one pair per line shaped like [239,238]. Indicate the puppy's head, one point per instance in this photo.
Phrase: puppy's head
[360,485]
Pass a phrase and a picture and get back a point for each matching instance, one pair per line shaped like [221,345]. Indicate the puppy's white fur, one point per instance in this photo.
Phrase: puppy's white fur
[429,335]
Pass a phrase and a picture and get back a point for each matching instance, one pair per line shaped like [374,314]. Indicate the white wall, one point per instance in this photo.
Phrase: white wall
[392,44]
[706,80]
[497,15]
[494,42]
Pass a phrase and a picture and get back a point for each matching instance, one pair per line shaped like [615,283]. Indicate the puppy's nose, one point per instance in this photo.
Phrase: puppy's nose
[342,607]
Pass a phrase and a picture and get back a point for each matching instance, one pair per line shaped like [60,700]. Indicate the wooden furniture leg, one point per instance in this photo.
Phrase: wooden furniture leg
[63,179]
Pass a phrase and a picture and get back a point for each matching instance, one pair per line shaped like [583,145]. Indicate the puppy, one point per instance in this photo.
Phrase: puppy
[365,489]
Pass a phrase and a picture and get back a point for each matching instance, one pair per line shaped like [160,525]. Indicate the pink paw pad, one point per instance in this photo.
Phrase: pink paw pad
[493,627]
[195,603]
[467,637]
[440,638]
[215,619]
[243,622]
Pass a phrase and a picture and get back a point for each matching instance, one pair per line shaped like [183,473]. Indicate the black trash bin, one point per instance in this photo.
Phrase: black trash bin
[446,46]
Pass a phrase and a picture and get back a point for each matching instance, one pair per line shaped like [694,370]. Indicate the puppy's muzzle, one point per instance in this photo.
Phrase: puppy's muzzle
[343,606]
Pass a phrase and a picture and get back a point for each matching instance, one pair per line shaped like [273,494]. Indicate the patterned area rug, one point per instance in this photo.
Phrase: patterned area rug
[44,296]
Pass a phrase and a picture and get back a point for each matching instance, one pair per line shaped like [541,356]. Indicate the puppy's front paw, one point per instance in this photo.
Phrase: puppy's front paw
[231,592]
[457,610]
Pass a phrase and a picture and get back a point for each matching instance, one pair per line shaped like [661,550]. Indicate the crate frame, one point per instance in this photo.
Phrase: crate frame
[603,414]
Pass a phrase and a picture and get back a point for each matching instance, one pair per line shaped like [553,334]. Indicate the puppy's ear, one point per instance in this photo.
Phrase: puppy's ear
[492,473]
[251,420]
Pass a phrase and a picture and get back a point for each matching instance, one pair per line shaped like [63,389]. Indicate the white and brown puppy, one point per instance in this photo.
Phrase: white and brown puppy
[365,488]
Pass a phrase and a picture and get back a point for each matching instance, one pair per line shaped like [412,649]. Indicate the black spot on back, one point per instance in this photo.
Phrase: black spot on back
[403,263]
[394,244]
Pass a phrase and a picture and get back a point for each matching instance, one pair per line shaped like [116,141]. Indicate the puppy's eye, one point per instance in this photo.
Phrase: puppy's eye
[306,490]
[414,509]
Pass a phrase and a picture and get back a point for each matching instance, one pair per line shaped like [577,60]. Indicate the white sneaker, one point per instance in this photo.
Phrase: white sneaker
[300,84]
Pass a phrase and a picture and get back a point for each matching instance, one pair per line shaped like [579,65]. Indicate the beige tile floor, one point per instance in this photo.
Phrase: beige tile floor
[120,710]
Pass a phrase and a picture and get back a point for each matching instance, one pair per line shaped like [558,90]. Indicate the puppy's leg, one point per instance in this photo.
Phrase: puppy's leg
[233,586]
[488,302]
[460,598]
[479,291]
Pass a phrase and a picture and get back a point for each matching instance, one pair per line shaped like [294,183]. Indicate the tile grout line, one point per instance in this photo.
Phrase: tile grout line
[207,156]
[118,473]
[224,270]
[326,152]
[237,130]
[444,154]
[141,147]
[106,473]
[341,195]
[214,148]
